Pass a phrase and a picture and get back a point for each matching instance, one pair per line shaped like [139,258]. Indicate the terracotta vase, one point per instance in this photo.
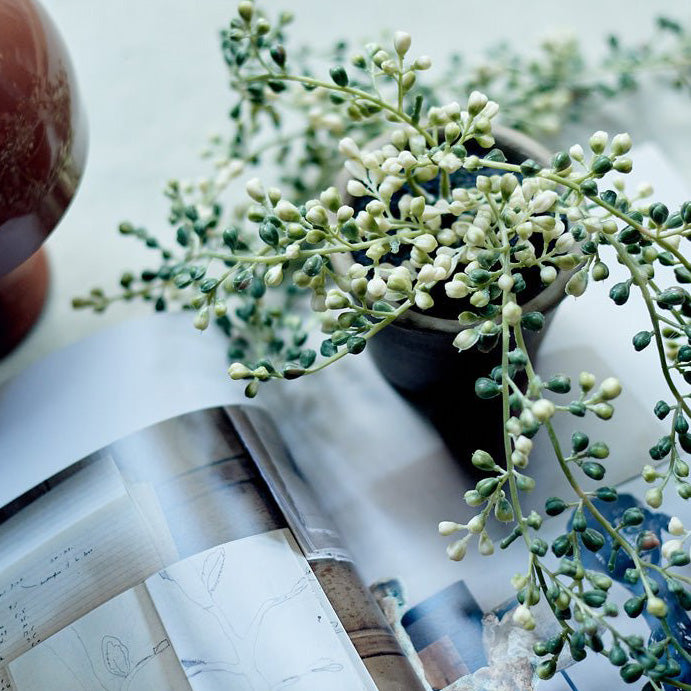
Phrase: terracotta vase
[42,155]
[416,355]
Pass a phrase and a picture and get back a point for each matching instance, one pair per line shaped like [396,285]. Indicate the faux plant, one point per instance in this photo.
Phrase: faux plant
[421,211]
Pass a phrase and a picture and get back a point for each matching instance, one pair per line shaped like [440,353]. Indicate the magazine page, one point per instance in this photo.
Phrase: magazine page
[252,610]
[246,614]
[73,548]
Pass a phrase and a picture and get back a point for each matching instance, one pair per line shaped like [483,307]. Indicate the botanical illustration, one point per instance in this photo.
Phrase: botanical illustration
[120,646]
[250,623]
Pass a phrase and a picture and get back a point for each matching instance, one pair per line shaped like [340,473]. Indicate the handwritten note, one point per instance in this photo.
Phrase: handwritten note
[78,546]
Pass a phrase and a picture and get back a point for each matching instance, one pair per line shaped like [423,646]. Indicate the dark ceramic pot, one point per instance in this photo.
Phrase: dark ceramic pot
[416,355]
[42,155]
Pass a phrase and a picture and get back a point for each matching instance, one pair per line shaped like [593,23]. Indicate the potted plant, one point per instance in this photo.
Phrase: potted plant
[420,238]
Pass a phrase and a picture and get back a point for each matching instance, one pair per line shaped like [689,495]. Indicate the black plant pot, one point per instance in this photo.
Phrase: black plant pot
[417,357]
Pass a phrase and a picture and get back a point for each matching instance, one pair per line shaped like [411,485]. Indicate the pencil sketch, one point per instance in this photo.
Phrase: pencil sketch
[118,647]
[250,629]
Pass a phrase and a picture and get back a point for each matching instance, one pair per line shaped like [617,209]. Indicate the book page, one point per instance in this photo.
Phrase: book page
[120,645]
[75,547]
[246,615]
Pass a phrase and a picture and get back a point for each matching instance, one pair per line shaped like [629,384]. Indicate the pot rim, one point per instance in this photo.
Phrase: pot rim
[546,299]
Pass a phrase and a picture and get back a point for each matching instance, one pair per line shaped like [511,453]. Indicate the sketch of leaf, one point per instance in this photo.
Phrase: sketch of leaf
[213,569]
[160,647]
[116,656]
[164,576]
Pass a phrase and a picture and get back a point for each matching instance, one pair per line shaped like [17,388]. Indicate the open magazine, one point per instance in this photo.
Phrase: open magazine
[188,555]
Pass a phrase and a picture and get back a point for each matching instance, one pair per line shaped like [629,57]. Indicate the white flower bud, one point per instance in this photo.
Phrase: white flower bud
[476,102]
[255,189]
[475,236]
[577,284]
[293,250]
[452,131]
[400,280]
[523,618]
[239,371]
[524,445]
[389,67]
[586,380]
[246,9]
[317,216]
[543,202]
[621,144]
[610,388]
[564,243]
[359,286]
[657,607]
[401,42]
[653,497]
[457,550]
[675,527]
[274,195]
[349,148]
[543,409]
[476,524]
[520,460]
[576,152]
[356,188]
[424,62]
[511,313]
[379,57]
[456,289]
[345,213]
[548,274]
[201,320]
[485,546]
[406,159]
[423,300]
[426,242]
[505,282]
[274,276]
[287,211]
[447,528]
[335,300]
[426,274]
[479,298]
[450,162]
[330,198]
[513,426]
[376,288]
[598,142]
[490,110]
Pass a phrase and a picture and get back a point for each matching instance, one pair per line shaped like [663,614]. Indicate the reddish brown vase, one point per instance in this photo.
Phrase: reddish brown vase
[42,155]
